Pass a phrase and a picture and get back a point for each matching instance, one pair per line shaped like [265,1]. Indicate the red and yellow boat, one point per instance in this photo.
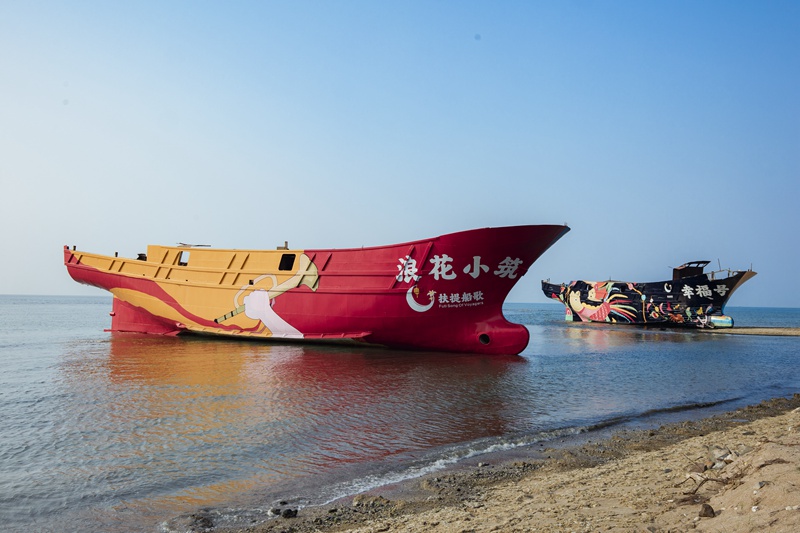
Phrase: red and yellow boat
[445,293]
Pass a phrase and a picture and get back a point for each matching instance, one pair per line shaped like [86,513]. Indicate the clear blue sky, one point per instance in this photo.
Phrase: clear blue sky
[661,132]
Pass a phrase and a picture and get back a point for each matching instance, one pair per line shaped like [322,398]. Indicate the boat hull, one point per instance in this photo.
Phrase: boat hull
[696,301]
[445,293]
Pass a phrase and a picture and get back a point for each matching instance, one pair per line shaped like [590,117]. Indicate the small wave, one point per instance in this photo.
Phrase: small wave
[651,413]
[456,455]
[434,462]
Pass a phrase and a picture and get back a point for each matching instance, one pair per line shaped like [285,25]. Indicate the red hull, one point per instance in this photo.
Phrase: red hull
[444,293]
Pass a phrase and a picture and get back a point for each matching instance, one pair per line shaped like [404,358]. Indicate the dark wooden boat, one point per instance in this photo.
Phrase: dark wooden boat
[691,298]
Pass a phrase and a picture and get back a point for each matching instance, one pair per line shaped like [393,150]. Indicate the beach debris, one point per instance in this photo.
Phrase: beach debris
[706,511]
[283,513]
[367,501]
[719,456]
[700,479]
[201,521]
[698,468]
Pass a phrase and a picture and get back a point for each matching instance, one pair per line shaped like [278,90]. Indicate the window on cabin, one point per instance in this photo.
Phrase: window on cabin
[287,262]
[183,260]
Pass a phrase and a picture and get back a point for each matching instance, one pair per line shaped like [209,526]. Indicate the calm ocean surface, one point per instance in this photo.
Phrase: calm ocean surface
[118,433]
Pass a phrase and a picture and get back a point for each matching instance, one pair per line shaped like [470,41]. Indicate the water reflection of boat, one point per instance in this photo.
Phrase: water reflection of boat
[316,409]
[444,293]
[690,298]
[274,391]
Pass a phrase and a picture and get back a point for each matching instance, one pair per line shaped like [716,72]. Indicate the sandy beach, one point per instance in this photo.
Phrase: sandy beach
[734,472]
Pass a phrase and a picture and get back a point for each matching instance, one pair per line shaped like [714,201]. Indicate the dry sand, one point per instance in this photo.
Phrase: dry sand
[735,472]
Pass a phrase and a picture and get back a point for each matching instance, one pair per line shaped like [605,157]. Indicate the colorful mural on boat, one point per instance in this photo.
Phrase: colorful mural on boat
[693,301]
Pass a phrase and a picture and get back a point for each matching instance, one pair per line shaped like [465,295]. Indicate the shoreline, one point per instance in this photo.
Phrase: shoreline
[762,331]
[633,480]
[755,330]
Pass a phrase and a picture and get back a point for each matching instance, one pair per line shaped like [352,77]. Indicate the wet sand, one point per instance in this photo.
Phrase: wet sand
[737,471]
[781,332]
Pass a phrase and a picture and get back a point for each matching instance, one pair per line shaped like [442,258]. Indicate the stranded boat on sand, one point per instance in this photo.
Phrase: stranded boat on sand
[444,293]
[690,298]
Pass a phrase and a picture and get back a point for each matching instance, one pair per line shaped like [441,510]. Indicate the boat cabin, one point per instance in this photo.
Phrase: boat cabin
[687,270]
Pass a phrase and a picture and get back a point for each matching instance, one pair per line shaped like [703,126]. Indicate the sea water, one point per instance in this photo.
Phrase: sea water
[112,433]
